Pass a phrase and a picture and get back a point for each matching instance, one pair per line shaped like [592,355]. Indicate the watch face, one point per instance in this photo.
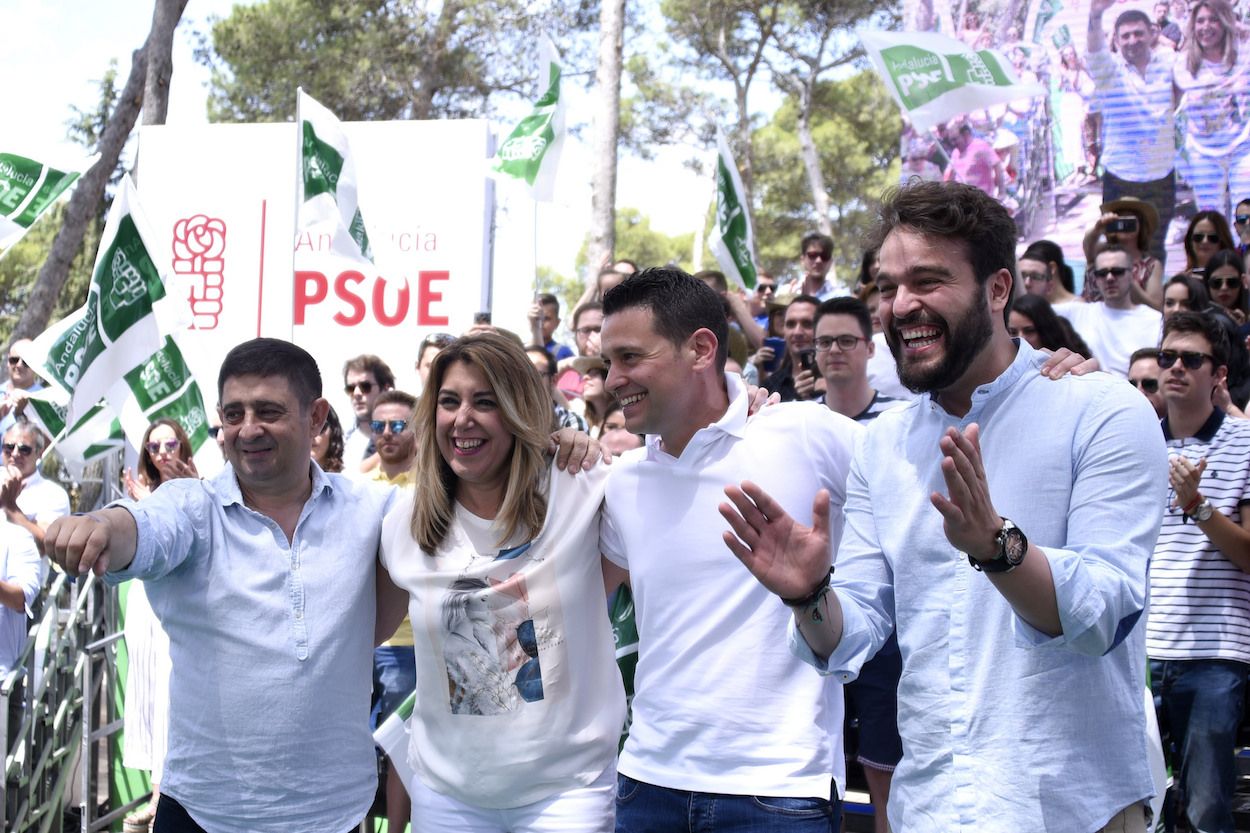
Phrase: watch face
[1014,544]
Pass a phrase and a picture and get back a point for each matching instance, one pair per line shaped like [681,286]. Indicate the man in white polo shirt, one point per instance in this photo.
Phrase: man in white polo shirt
[727,724]
[1115,327]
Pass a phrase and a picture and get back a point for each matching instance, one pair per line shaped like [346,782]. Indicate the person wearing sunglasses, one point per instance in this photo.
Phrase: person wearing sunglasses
[1131,224]
[1241,226]
[1198,628]
[1226,283]
[1115,326]
[164,455]
[1207,234]
[1143,374]
[816,262]
[394,663]
[364,378]
[28,499]
[21,381]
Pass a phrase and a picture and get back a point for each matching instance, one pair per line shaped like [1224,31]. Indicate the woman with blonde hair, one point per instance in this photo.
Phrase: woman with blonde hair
[519,702]
[1210,76]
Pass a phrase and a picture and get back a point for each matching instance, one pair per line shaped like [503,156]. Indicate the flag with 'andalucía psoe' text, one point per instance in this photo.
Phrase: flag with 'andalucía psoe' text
[935,78]
[116,349]
[532,150]
[327,201]
[28,188]
[732,241]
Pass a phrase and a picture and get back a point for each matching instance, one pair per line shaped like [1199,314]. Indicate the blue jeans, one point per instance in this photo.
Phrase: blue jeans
[645,808]
[1200,704]
[394,678]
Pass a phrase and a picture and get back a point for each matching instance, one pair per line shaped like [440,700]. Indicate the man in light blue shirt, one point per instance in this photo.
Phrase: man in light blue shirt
[264,578]
[1021,702]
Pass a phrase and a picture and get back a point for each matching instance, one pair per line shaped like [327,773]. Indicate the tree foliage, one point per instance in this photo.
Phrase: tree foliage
[637,241]
[855,127]
[378,59]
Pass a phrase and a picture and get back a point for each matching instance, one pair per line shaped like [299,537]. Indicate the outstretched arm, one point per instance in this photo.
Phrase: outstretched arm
[788,558]
[99,541]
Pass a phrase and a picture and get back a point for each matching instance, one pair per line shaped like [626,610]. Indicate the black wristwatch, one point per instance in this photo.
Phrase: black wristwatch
[1012,545]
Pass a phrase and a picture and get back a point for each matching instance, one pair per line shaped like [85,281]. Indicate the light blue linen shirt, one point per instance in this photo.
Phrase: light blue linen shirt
[21,565]
[272,648]
[1004,728]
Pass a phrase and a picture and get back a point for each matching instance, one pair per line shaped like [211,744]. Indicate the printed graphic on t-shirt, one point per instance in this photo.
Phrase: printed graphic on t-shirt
[492,638]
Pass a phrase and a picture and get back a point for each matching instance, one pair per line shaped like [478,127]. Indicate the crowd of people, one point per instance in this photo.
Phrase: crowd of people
[935,551]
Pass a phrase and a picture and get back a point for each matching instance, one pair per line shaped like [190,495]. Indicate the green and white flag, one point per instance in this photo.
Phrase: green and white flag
[97,434]
[327,200]
[732,241]
[392,738]
[27,189]
[113,359]
[532,150]
[935,78]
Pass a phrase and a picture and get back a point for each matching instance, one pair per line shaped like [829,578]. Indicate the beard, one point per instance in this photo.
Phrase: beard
[964,339]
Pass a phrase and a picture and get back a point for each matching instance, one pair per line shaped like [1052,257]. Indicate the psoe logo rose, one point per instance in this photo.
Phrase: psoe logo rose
[199,243]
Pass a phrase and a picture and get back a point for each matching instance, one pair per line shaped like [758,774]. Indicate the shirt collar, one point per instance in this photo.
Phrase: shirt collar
[226,485]
[34,480]
[1026,359]
[732,422]
[1203,434]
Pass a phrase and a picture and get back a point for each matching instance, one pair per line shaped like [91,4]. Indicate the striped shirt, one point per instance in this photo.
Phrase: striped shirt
[1199,600]
[880,402]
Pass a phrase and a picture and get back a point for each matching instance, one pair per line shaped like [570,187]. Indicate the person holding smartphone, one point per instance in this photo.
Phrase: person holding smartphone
[1130,223]
[791,372]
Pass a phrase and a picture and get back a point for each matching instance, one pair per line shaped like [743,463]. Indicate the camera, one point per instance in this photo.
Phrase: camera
[1121,225]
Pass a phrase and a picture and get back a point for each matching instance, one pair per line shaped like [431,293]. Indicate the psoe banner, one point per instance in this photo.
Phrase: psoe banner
[221,201]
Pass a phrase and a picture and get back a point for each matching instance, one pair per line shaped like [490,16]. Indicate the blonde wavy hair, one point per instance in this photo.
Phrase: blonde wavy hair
[1193,53]
[524,402]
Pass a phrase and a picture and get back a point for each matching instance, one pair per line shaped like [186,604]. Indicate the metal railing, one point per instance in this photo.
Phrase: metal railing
[64,676]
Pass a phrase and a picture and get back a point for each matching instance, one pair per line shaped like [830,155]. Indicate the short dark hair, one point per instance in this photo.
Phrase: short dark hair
[847,305]
[1204,325]
[368,362]
[273,357]
[1142,354]
[586,307]
[549,300]
[1132,16]
[396,397]
[1199,296]
[679,306]
[954,211]
[825,241]
[1112,248]
[546,354]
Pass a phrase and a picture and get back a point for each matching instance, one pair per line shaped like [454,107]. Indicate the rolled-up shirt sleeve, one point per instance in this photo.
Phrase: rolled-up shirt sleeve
[1119,488]
[173,523]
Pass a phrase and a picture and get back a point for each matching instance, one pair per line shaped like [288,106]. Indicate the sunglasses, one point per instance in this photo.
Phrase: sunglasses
[816,256]
[20,449]
[168,446]
[1241,219]
[14,361]
[1190,359]
[397,426]
[439,340]
[365,387]
[845,343]
[1118,271]
[1203,237]
[586,331]
[1147,385]
[763,288]
[1223,283]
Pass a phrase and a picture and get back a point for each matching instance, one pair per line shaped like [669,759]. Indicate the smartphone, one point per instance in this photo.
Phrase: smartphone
[778,345]
[807,359]
[1121,225]
[481,318]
